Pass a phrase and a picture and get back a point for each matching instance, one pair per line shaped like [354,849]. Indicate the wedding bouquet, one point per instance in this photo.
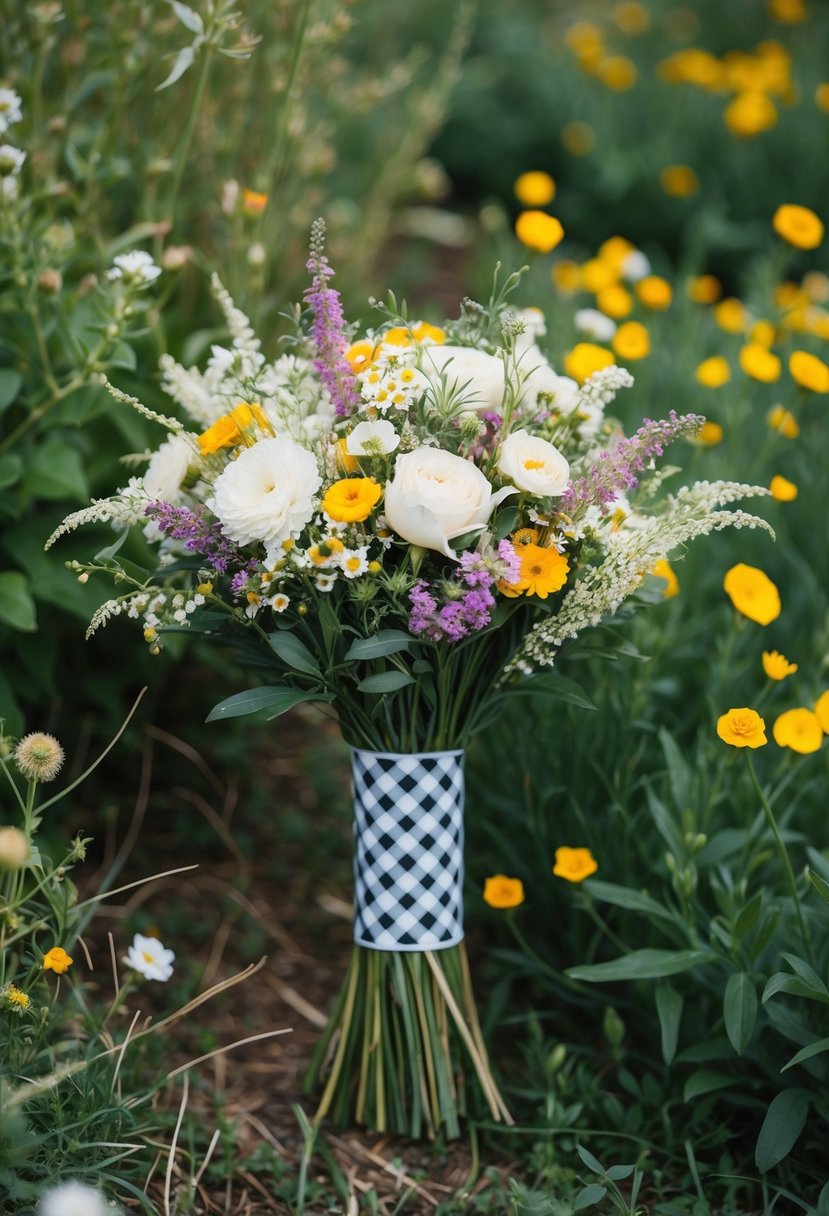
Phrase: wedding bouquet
[406,525]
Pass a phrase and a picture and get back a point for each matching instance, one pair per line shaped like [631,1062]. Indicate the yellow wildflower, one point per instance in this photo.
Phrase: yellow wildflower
[704,289]
[538,231]
[663,569]
[229,430]
[578,137]
[17,1000]
[710,434]
[586,358]
[574,865]
[730,314]
[615,301]
[254,202]
[749,114]
[742,728]
[542,571]
[763,333]
[57,960]
[566,275]
[631,16]
[822,711]
[759,363]
[800,730]
[784,422]
[503,892]
[351,500]
[822,96]
[787,12]
[360,355]
[679,181]
[777,666]
[617,72]
[346,463]
[631,341]
[799,226]
[752,593]
[654,292]
[535,189]
[782,489]
[809,372]
[714,372]
[599,273]
[615,251]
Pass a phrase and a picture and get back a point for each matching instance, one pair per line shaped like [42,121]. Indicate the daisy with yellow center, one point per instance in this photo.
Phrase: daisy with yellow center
[752,593]
[353,562]
[326,551]
[574,865]
[777,666]
[503,892]
[351,500]
[57,960]
[542,572]
[742,728]
[799,730]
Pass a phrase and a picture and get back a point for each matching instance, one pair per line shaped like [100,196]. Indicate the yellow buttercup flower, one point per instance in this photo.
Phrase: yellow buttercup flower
[800,730]
[809,372]
[503,892]
[542,571]
[586,358]
[822,96]
[752,593]
[679,181]
[787,12]
[229,430]
[617,72]
[742,728]
[654,292]
[704,289]
[535,189]
[710,434]
[599,273]
[797,225]
[759,363]
[822,711]
[730,314]
[254,202]
[782,489]
[538,231]
[423,331]
[777,666]
[664,569]
[632,341]
[574,865]
[784,422]
[615,251]
[578,137]
[631,16]
[713,372]
[749,114]
[566,275]
[615,301]
[351,500]
[763,333]
[57,960]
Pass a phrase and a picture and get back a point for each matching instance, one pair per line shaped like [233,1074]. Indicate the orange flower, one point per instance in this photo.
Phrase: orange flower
[654,292]
[229,430]
[503,892]
[742,728]
[574,864]
[542,571]
[253,203]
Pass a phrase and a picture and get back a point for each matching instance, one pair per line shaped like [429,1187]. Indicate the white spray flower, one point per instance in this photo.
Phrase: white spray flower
[10,109]
[11,160]
[594,323]
[74,1199]
[377,438]
[134,267]
[149,958]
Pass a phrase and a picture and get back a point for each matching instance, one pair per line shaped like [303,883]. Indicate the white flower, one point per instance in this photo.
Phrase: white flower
[534,327]
[221,359]
[9,187]
[135,267]
[10,109]
[280,602]
[534,465]
[474,376]
[635,266]
[149,958]
[11,160]
[168,468]
[435,496]
[267,493]
[372,439]
[74,1199]
[324,582]
[596,324]
[353,562]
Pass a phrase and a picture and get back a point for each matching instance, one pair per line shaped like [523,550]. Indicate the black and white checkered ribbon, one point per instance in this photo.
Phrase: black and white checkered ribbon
[408,858]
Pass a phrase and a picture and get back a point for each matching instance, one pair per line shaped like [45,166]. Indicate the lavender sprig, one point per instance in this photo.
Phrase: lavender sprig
[616,471]
[198,533]
[330,334]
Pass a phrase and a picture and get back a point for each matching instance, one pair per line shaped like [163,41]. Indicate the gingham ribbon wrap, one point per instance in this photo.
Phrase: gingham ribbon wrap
[408,857]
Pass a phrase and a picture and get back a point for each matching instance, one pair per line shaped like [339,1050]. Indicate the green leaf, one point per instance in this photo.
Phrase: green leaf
[739,1010]
[820,884]
[184,60]
[54,470]
[643,965]
[678,772]
[557,687]
[669,1004]
[294,653]
[623,897]
[505,522]
[386,641]
[589,1160]
[11,382]
[805,972]
[122,355]
[589,1195]
[806,1053]
[748,917]
[17,608]
[11,466]
[618,1173]
[792,985]
[706,1081]
[107,553]
[252,700]
[386,681]
[784,1121]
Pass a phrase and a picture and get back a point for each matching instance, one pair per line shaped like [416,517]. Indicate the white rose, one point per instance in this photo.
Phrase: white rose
[372,439]
[474,376]
[168,468]
[534,465]
[435,497]
[267,492]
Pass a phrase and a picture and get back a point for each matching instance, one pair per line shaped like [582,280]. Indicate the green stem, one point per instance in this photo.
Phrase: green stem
[784,857]
[186,138]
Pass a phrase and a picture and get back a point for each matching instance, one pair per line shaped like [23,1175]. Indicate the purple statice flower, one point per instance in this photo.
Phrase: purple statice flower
[616,471]
[330,334]
[511,561]
[199,534]
[467,607]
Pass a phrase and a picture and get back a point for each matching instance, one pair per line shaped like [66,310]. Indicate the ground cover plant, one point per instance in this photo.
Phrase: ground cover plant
[646,880]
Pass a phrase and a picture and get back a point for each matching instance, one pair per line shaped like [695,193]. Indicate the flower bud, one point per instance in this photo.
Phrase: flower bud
[50,281]
[14,848]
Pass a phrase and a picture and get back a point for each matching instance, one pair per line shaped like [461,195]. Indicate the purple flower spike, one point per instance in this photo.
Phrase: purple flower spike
[330,334]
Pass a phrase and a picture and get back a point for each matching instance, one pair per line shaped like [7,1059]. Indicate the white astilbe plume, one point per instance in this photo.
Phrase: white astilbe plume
[121,510]
[630,557]
[172,424]
[241,330]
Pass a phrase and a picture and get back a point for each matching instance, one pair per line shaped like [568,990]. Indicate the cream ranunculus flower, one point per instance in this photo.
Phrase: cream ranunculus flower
[477,378]
[267,493]
[435,497]
[534,465]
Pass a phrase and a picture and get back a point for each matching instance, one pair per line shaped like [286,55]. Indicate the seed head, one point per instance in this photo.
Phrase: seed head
[39,756]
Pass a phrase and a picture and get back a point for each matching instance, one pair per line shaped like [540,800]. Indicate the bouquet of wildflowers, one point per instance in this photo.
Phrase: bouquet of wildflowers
[406,525]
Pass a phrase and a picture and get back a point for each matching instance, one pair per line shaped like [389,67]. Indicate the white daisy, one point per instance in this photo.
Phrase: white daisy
[149,958]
